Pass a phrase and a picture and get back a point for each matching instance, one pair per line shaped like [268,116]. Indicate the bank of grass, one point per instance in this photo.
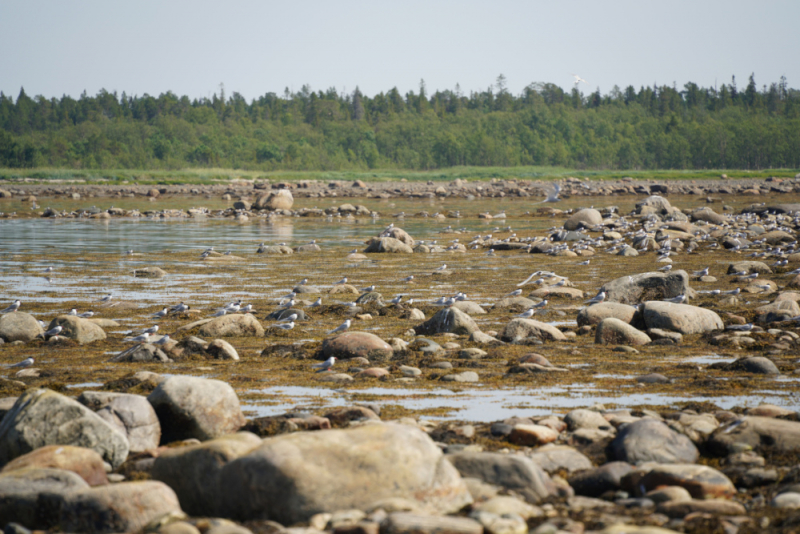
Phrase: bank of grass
[208,176]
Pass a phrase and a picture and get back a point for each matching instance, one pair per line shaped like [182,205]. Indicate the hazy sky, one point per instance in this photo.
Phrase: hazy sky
[189,47]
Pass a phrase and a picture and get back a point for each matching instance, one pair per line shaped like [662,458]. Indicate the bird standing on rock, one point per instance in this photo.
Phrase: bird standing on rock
[326,365]
[14,307]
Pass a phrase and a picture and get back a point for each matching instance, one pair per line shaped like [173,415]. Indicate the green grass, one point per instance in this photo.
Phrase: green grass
[207,176]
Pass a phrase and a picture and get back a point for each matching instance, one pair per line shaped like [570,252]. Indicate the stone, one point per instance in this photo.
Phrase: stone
[682,318]
[583,418]
[584,218]
[612,330]
[554,458]
[679,509]
[532,435]
[410,523]
[466,376]
[33,496]
[757,365]
[387,244]
[749,267]
[141,352]
[520,303]
[603,479]
[503,504]
[42,417]
[84,462]
[447,320]
[132,415]
[357,345]
[149,272]
[500,524]
[232,325]
[755,432]
[399,234]
[220,349]
[649,440]
[277,200]
[124,507]
[19,326]
[702,482]
[789,500]
[658,203]
[194,471]
[551,292]
[193,407]
[509,471]
[469,307]
[282,478]
[591,315]
[81,330]
[669,494]
[647,286]
[519,329]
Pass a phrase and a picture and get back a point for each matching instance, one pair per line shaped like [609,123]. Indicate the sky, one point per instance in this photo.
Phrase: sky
[56,47]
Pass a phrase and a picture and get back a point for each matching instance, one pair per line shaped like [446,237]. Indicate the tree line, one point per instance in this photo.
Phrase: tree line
[659,127]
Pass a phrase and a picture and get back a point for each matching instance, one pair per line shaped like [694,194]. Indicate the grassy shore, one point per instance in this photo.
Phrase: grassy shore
[203,176]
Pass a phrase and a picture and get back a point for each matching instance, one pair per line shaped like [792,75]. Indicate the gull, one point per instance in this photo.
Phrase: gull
[396,300]
[14,307]
[409,302]
[341,328]
[289,318]
[597,299]
[732,292]
[515,293]
[739,273]
[86,314]
[351,304]
[703,272]
[48,270]
[710,291]
[442,268]
[303,282]
[220,313]
[740,327]
[342,281]
[764,287]
[527,313]
[316,303]
[247,309]
[162,313]
[796,271]
[163,341]
[179,308]
[152,330]
[578,80]
[289,304]
[751,276]
[107,298]
[289,296]
[53,331]
[537,273]
[285,326]
[552,196]
[666,268]
[584,262]
[326,365]
[27,362]
[369,289]
[138,339]
[542,304]
[73,312]
[408,278]
[677,300]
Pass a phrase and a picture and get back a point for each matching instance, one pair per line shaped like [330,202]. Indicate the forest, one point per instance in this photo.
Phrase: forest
[659,127]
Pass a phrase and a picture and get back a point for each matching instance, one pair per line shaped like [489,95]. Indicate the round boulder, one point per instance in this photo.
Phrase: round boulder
[19,326]
[81,330]
[357,344]
[612,330]
[585,218]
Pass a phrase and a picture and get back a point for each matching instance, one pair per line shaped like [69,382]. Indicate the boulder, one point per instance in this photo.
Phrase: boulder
[416,523]
[19,326]
[232,325]
[84,462]
[469,307]
[124,507]
[585,218]
[149,272]
[387,244]
[683,318]
[81,330]
[612,330]
[702,482]
[32,497]
[277,200]
[357,344]
[591,315]
[709,215]
[193,407]
[563,292]
[749,267]
[583,418]
[554,458]
[291,477]
[522,329]
[647,286]
[649,440]
[194,471]
[400,235]
[142,352]
[42,417]
[658,203]
[597,481]
[219,349]
[448,320]
[132,415]
[757,432]
[308,247]
[511,472]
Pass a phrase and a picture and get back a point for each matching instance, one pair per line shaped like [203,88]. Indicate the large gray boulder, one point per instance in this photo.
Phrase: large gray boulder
[193,407]
[447,320]
[141,352]
[656,202]
[521,329]
[124,507]
[591,315]
[277,200]
[33,496]
[749,267]
[650,440]
[648,286]
[291,477]
[77,328]
[42,417]
[585,218]
[683,318]
[388,244]
[509,471]
[232,325]
[132,415]
[754,431]
[193,472]
[355,345]
[613,330]
[400,235]
[19,326]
